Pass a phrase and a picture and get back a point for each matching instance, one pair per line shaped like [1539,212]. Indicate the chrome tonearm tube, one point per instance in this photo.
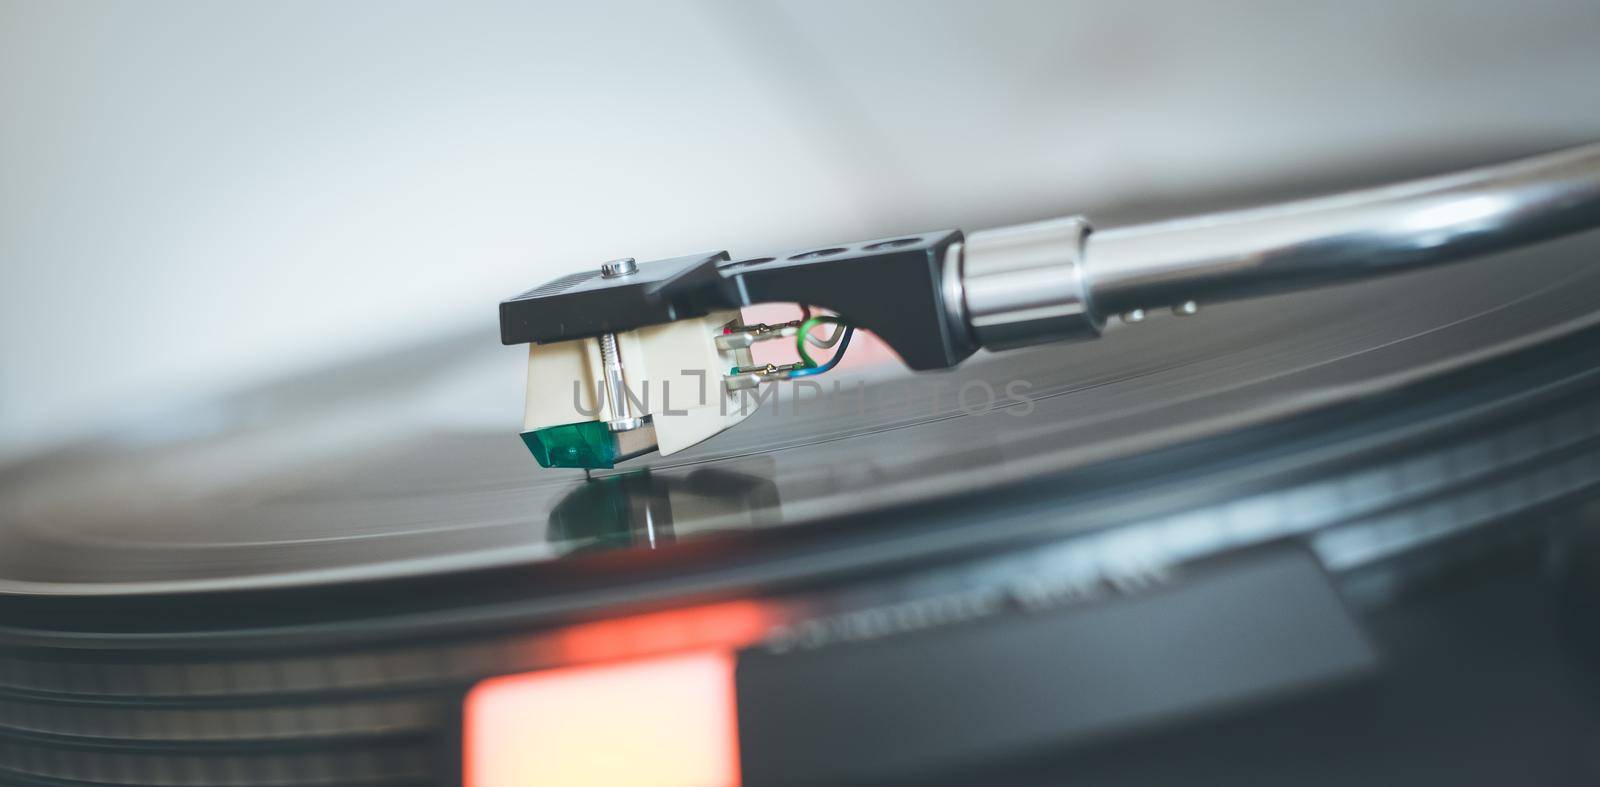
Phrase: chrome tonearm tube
[1058,280]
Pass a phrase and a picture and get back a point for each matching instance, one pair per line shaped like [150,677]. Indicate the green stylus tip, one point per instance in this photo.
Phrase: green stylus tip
[588,444]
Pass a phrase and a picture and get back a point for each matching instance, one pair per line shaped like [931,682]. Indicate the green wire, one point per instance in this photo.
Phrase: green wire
[805,329]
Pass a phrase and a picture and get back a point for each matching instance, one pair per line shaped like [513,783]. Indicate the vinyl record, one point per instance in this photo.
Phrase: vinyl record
[374,472]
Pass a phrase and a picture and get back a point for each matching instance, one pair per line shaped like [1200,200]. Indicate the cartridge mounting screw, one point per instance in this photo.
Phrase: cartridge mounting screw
[616,269]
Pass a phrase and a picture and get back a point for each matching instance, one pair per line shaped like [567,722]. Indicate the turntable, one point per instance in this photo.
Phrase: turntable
[1339,534]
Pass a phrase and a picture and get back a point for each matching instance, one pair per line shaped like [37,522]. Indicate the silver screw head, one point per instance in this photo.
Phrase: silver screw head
[1186,309]
[618,268]
[1133,315]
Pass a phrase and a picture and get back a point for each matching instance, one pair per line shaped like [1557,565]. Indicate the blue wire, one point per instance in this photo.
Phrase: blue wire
[844,343]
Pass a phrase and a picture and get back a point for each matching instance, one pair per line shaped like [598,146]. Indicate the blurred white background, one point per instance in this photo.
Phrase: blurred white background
[198,196]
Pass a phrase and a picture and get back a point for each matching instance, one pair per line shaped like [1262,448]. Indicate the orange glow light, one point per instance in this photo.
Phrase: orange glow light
[667,721]
[730,624]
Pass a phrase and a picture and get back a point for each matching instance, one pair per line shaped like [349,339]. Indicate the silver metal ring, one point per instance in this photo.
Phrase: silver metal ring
[1026,284]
